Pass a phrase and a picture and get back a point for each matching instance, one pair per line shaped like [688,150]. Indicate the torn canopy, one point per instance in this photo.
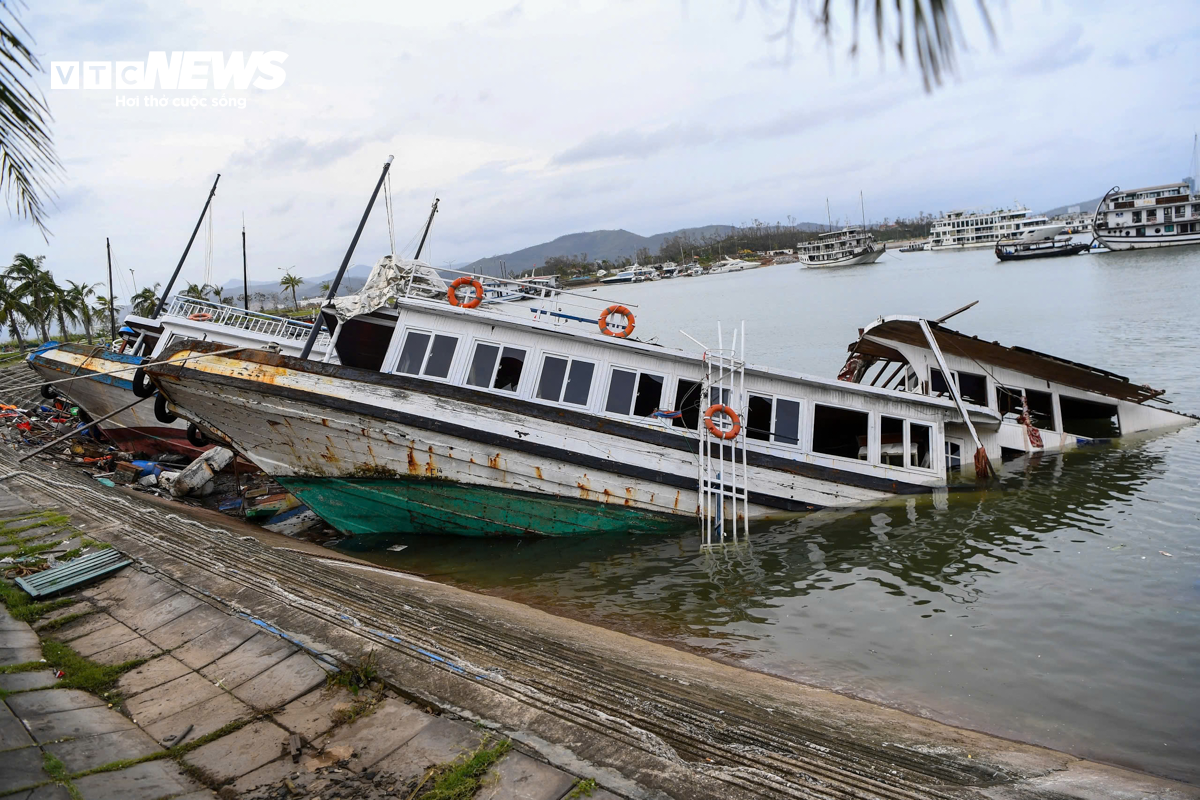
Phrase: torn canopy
[389,278]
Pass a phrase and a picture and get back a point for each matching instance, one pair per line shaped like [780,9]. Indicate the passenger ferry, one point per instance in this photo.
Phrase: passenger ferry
[961,230]
[842,248]
[1156,216]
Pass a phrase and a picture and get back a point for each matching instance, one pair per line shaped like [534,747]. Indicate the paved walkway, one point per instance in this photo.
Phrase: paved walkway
[211,675]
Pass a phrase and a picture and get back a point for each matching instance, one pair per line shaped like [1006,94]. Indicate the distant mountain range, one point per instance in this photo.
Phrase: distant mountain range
[355,277]
[1087,206]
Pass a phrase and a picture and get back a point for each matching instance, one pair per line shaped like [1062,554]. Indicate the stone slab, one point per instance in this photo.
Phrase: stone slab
[24,681]
[82,607]
[187,626]
[519,777]
[19,655]
[51,791]
[282,683]
[12,732]
[169,698]
[132,603]
[439,742]
[103,639]
[77,723]
[132,650]
[255,656]
[82,627]
[22,768]
[376,735]
[148,781]
[50,701]
[18,637]
[312,714]
[220,641]
[206,717]
[154,617]
[203,794]
[240,752]
[95,751]
[7,623]
[154,672]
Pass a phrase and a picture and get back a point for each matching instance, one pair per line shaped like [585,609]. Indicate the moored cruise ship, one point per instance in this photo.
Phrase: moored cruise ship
[842,248]
[960,230]
[1156,216]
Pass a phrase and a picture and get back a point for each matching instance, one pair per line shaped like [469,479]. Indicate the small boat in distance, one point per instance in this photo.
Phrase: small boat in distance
[843,248]
[1049,242]
[915,247]
[634,274]
[1156,216]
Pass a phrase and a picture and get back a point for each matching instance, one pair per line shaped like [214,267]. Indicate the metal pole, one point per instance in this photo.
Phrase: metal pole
[162,301]
[112,312]
[245,274]
[428,225]
[319,322]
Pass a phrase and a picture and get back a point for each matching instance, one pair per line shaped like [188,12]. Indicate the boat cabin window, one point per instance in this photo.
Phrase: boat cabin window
[633,393]
[972,388]
[495,367]
[758,418]
[687,402]
[428,354]
[891,441]
[919,439]
[565,380]
[787,422]
[1089,418]
[840,432]
[953,456]
[1041,406]
[363,341]
[937,382]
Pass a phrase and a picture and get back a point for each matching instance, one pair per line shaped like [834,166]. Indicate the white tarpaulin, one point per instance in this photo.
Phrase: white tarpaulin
[387,280]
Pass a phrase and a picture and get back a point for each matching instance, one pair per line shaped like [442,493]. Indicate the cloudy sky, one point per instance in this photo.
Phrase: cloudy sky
[536,119]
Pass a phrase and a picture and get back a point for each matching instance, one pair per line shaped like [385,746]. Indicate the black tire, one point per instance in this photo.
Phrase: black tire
[49,391]
[195,436]
[160,410]
[141,386]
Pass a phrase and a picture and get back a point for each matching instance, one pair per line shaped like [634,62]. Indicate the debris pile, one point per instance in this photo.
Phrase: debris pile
[336,780]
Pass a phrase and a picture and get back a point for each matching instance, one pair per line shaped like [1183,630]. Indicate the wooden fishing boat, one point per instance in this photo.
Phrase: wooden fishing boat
[1049,242]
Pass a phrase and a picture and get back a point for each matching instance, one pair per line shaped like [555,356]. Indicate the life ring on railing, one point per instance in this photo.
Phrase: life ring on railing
[721,408]
[200,316]
[608,312]
[465,281]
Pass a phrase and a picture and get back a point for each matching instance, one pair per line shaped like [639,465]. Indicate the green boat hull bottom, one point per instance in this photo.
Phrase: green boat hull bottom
[358,506]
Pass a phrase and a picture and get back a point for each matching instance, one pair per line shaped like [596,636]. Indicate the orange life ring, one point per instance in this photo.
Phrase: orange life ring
[200,316]
[608,312]
[727,411]
[465,281]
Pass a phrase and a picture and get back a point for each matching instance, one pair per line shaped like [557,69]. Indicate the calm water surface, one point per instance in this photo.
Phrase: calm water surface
[1042,608]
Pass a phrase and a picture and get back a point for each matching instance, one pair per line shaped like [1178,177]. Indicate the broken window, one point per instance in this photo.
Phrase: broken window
[508,373]
[840,432]
[497,368]
[687,402]
[919,438]
[758,418]
[1089,418]
[891,441]
[973,388]
[1041,406]
[787,422]
[937,382]
[622,394]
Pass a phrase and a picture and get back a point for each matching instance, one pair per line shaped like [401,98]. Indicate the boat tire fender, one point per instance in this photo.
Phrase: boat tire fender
[607,314]
[161,412]
[195,436]
[141,386]
[465,280]
[721,408]
[48,391]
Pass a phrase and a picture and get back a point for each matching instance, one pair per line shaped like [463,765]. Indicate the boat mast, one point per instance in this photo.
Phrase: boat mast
[319,322]
[828,217]
[428,225]
[112,312]
[162,301]
[863,206]
[245,274]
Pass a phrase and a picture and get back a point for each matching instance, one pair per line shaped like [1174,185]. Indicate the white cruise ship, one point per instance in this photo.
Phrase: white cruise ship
[842,248]
[961,230]
[1156,216]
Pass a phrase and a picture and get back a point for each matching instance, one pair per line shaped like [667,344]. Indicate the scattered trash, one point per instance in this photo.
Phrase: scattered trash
[175,738]
[260,505]
[1165,553]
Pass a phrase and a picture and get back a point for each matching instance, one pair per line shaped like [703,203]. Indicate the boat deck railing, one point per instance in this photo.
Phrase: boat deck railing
[266,325]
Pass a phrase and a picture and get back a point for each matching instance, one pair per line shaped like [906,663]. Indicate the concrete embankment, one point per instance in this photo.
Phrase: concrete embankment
[641,719]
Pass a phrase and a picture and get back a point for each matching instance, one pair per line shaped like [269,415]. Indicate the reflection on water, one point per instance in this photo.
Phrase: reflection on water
[1059,605]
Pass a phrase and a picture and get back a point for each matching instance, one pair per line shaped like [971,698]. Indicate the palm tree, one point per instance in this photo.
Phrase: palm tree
[14,312]
[219,295]
[105,308]
[62,304]
[199,291]
[325,287]
[145,301]
[35,286]
[80,292]
[290,281]
[28,164]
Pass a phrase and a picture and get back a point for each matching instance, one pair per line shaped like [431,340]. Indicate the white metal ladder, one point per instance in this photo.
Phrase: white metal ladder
[724,503]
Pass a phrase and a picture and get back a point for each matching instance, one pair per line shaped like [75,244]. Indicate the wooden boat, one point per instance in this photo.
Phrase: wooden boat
[1049,242]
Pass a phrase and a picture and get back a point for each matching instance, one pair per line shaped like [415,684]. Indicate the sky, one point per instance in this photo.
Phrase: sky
[531,120]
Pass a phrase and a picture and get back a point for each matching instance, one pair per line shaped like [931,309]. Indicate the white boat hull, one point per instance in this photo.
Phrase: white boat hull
[1147,242]
[869,257]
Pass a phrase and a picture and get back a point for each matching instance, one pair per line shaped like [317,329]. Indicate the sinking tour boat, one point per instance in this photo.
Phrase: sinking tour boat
[112,374]
[1044,403]
[841,248]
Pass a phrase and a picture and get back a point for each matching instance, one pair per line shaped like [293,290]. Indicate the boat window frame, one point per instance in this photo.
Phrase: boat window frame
[772,437]
[475,343]
[637,379]
[562,389]
[810,431]
[432,334]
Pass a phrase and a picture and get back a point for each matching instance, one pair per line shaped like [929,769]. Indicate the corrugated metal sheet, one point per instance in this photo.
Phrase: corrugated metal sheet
[73,573]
